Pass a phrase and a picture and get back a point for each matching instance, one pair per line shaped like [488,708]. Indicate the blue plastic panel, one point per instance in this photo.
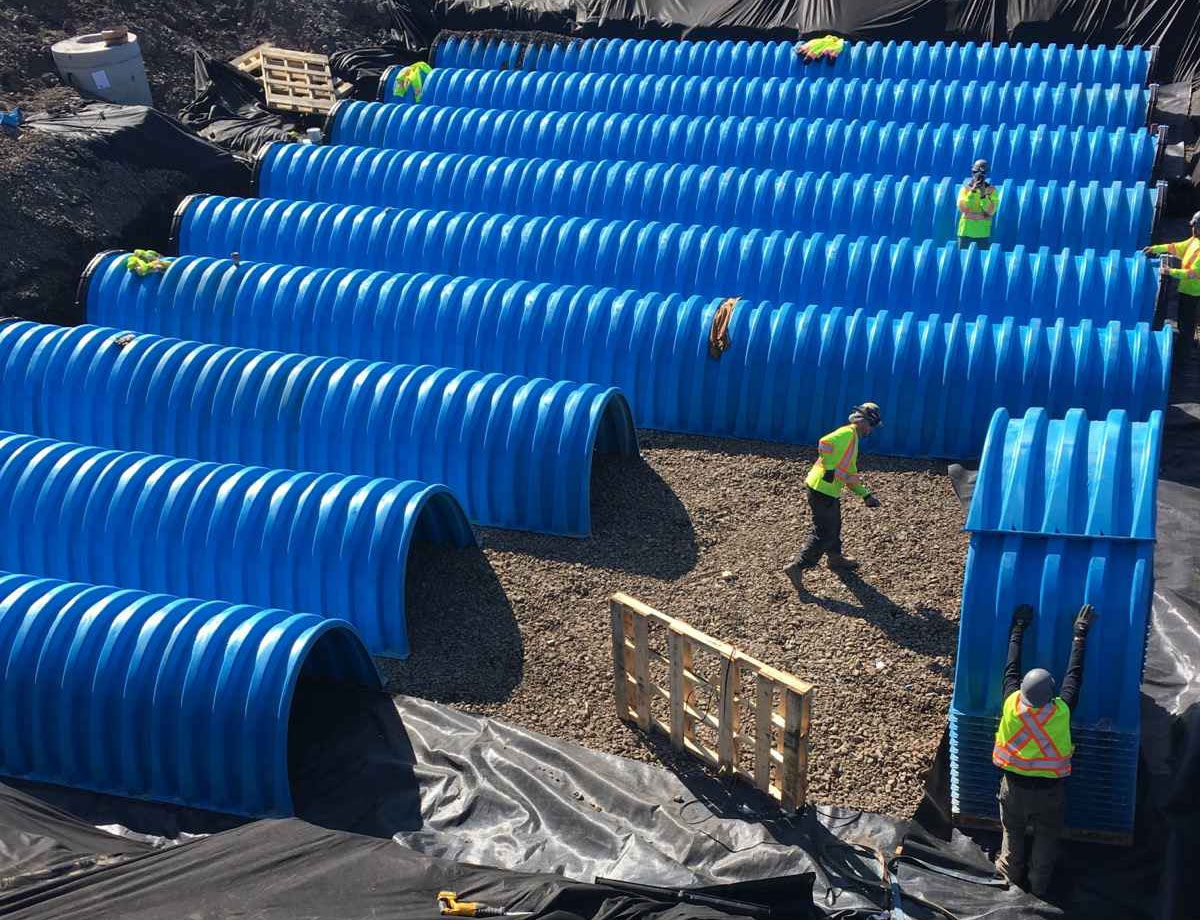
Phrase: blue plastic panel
[1062,515]
[1059,215]
[332,545]
[517,452]
[790,374]
[156,697]
[967,102]
[1068,476]
[782,143]
[677,258]
[873,60]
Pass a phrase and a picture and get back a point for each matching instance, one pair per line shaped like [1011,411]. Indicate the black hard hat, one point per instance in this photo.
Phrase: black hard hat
[867,412]
[980,166]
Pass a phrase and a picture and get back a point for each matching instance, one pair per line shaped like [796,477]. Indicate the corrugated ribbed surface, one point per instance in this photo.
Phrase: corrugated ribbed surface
[515,451]
[782,143]
[790,374]
[873,60]
[1069,214]
[332,545]
[675,258]
[157,697]
[1083,495]
[970,102]
[1068,476]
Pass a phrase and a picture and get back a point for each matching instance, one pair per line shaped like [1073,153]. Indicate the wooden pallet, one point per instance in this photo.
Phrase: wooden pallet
[293,81]
[739,716]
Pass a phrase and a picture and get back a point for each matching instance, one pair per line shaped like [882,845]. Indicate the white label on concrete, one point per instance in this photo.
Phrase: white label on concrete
[101,79]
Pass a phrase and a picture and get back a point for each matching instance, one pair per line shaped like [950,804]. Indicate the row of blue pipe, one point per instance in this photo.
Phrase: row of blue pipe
[1020,152]
[1074,215]
[1063,514]
[515,451]
[788,375]
[272,538]
[863,60]
[158,697]
[677,259]
[1094,106]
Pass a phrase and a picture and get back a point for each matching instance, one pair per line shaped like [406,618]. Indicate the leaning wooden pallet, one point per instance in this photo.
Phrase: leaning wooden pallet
[293,81]
[760,716]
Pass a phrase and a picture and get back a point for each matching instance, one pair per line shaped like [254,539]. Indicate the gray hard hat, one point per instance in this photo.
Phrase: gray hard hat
[1195,219]
[1037,688]
[868,412]
[980,166]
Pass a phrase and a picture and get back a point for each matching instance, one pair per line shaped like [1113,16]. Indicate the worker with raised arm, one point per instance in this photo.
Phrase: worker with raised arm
[1033,749]
[978,201]
[1188,276]
[836,467]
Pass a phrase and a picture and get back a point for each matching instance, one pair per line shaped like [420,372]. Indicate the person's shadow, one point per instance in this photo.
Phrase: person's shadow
[925,629]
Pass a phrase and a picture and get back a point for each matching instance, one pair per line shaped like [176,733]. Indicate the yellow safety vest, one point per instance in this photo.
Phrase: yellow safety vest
[1188,252]
[974,219]
[837,451]
[1034,742]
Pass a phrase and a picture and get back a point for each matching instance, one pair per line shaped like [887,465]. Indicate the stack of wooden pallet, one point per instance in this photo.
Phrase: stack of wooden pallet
[293,81]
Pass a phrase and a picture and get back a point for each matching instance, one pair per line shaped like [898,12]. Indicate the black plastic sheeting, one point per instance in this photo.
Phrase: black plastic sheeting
[1173,25]
[230,108]
[137,135]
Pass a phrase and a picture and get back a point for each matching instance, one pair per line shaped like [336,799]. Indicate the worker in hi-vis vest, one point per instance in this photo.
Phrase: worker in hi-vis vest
[1033,749]
[978,201]
[836,467]
[1188,253]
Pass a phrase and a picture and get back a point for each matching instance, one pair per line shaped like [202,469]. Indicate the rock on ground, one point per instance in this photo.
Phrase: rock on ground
[522,632]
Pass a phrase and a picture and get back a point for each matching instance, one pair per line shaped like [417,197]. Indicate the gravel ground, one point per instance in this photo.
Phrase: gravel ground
[525,636]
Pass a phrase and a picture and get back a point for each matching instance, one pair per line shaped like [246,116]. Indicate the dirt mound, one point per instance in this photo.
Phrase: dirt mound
[170,32]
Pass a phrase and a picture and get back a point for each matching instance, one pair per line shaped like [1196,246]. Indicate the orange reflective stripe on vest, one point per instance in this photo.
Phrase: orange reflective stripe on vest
[1026,739]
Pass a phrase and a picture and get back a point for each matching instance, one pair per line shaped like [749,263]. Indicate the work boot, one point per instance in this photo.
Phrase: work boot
[838,561]
[795,572]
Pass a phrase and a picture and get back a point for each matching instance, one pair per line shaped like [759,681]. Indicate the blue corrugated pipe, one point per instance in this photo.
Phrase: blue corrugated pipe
[869,60]
[783,143]
[327,544]
[1096,106]
[1058,215]
[157,697]
[517,452]
[676,259]
[1063,514]
[790,374]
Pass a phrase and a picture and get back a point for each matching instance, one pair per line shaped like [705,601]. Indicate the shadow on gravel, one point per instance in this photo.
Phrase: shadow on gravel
[639,526]
[466,647]
[926,629]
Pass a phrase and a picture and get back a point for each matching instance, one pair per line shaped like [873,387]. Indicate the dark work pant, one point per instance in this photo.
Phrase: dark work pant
[1187,320]
[1021,806]
[826,536]
[983,242]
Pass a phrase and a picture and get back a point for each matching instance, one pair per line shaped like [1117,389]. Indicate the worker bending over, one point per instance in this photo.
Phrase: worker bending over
[978,201]
[836,467]
[1188,253]
[1033,749]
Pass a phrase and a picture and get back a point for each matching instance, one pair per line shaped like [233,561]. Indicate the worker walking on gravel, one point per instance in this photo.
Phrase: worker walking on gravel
[978,201]
[1033,749]
[1188,253]
[836,467]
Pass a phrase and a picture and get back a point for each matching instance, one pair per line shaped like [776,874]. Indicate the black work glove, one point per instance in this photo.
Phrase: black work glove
[870,501]
[1022,616]
[1084,620]
[830,475]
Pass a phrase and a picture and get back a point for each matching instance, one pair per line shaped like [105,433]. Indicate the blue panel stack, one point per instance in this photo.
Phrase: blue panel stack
[1063,514]
[920,100]
[867,60]
[1073,215]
